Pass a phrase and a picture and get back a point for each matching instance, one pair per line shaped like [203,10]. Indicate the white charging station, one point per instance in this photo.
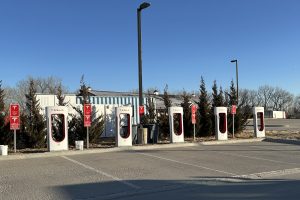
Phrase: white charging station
[259,122]
[221,123]
[123,126]
[176,124]
[57,128]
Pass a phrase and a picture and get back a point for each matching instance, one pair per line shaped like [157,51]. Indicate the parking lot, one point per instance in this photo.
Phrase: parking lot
[279,124]
[256,170]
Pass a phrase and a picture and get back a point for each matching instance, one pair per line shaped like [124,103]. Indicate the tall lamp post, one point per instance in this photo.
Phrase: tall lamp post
[237,80]
[139,9]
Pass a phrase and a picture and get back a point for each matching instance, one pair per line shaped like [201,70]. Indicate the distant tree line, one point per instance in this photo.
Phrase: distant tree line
[205,119]
[33,126]
[32,133]
[271,98]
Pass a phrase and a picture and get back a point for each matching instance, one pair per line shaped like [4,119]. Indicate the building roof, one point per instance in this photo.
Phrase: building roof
[175,99]
[111,93]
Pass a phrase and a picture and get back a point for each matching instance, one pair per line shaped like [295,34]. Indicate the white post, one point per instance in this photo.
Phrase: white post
[15,141]
[87,137]
[232,125]
[194,133]
[105,120]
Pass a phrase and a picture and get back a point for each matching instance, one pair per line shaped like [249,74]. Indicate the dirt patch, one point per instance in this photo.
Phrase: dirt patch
[281,134]
[292,134]
[248,134]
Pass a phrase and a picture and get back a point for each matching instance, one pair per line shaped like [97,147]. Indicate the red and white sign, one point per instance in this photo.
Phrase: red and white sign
[87,111]
[141,110]
[193,118]
[14,110]
[14,123]
[233,109]
[194,109]
[14,116]
[87,120]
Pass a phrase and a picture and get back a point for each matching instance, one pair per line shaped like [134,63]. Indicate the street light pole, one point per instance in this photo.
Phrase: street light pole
[237,80]
[141,7]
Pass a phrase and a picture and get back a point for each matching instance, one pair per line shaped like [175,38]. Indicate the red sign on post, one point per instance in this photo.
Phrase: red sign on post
[14,110]
[141,110]
[193,109]
[193,118]
[14,116]
[233,109]
[14,123]
[87,121]
[87,111]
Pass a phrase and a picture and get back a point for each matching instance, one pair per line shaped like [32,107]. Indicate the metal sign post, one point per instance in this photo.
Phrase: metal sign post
[14,119]
[87,137]
[87,111]
[15,140]
[194,109]
[194,132]
[232,125]
[233,112]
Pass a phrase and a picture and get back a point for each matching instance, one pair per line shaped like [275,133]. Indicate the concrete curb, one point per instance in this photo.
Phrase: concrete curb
[93,151]
[139,148]
[58,153]
[164,146]
[232,141]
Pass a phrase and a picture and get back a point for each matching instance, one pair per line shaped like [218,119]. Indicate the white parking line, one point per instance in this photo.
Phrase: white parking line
[102,173]
[188,164]
[251,157]
[260,175]
[257,158]
[270,174]
[260,147]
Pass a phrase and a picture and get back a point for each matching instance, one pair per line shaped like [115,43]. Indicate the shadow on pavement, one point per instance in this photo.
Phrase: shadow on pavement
[282,141]
[198,188]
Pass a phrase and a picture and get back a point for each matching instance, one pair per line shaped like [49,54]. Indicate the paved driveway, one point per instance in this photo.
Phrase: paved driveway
[259,170]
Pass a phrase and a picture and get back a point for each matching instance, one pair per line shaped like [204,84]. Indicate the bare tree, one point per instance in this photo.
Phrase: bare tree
[249,97]
[296,107]
[281,99]
[16,95]
[265,94]
[47,85]
[254,98]
[297,103]
[244,97]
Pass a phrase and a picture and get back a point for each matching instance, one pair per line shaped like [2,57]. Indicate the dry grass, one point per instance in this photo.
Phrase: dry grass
[282,134]
[292,134]
[248,134]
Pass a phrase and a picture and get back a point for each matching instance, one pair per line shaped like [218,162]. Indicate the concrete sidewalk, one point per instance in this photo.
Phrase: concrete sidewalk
[116,149]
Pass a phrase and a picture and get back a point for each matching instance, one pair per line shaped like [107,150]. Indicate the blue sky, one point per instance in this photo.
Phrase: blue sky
[182,41]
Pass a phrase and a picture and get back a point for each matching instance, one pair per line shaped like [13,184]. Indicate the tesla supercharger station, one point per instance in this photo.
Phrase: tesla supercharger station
[221,123]
[176,124]
[123,126]
[259,122]
[57,128]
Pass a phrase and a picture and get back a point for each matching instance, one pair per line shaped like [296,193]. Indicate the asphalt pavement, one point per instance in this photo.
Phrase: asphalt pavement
[279,124]
[256,170]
